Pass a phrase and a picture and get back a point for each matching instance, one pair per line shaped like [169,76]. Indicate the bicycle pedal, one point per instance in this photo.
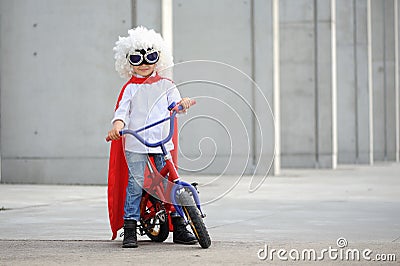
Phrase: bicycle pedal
[161,215]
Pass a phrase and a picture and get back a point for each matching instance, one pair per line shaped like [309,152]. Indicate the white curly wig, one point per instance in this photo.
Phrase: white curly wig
[141,38]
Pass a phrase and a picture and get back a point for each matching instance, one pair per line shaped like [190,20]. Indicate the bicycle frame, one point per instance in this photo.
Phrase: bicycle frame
[175,185]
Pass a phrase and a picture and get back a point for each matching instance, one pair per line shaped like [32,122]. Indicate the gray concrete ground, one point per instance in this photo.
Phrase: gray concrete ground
[298,212]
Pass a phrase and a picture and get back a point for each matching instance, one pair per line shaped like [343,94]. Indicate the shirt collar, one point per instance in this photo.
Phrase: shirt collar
[138,79]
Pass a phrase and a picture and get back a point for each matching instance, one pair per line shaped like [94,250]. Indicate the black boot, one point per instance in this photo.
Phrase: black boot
[181,235]
[130,239]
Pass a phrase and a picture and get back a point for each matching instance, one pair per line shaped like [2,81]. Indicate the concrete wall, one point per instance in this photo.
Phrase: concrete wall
[307,83]
[354,136]
[384,78]
[337,97]
[235,126]
[147,13]
[58,88]
[297,83]
[326,83]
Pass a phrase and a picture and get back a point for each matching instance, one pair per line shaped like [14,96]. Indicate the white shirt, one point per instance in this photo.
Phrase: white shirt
[144,104]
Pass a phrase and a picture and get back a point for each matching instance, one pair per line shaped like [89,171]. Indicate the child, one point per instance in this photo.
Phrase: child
[144,100]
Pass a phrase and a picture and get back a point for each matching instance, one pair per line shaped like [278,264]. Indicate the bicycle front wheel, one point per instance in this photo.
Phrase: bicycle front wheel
[195,219]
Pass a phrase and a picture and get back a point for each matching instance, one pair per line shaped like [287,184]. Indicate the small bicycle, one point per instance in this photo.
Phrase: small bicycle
[158,202]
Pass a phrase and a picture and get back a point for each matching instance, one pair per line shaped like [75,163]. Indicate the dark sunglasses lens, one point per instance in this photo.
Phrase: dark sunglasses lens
[135,59]
[152,57]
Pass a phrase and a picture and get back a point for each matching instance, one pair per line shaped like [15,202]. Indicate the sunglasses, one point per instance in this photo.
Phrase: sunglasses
[140,57]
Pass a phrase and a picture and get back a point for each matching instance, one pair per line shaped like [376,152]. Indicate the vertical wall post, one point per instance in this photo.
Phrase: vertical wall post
[167,29]
[334,85]
[167,22]
[276,85]
[396,77]
[370,82]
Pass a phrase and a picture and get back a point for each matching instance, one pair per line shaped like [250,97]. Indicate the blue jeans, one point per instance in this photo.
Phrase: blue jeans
[136,164]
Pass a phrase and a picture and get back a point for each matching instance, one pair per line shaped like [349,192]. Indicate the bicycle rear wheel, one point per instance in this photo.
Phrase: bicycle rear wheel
[195,219]
[156,227]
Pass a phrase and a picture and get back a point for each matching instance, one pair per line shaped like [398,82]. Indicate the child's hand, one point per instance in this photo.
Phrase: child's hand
[113,134]
[185,103]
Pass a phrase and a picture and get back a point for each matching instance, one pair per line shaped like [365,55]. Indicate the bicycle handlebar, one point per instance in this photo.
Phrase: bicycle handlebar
[174,108]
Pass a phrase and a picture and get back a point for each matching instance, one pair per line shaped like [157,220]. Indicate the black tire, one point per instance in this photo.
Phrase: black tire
[155,229]
[196,222]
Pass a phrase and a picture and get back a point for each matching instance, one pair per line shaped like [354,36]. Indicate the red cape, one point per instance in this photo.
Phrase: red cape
[118,169]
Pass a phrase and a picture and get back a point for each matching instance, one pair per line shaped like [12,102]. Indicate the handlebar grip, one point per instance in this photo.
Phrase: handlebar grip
[108,139]
[180,107]
[192,102]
